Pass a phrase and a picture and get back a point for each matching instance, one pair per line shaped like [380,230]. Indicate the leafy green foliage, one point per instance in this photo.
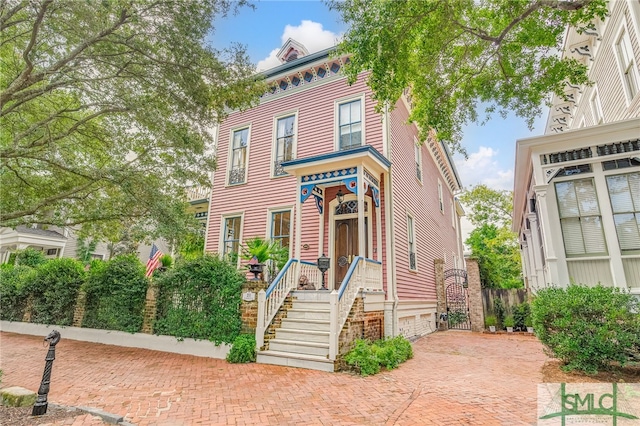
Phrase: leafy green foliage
[106,121]
[367,357]
[191,246]
[488,205]
[521,313]
[54,290]
[509,321]
[243,349]
[457,317]
[116,295]
[200,299]
[490,320]
[269,253]
[498,255]
[30,257]
[588,328]
[500,311]
[85,248]
[454,54]
[12,295]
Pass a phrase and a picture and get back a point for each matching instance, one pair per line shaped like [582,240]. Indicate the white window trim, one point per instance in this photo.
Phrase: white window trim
[440,197]
[623,33]
[453,214]
[230,154]
[596,107]
[411,217]
[583,122]
[268,229]
[274,139]
[223,219]
[336,118]
[417,150]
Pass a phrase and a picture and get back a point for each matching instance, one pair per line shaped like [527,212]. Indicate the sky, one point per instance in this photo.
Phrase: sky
[263,31]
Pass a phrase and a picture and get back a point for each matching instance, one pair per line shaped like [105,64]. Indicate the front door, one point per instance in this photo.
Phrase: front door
[346,249]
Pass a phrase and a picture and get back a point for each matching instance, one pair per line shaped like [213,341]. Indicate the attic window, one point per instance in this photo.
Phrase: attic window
[292,56]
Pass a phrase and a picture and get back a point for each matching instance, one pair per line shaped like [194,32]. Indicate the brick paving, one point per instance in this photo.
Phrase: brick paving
[454,378]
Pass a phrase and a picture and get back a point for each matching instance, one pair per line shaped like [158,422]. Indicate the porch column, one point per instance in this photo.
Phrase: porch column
[321,236]
[361,226]
[378,209]
[298,236]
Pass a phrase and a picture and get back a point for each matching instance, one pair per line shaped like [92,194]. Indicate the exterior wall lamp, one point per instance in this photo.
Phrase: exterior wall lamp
[340,196]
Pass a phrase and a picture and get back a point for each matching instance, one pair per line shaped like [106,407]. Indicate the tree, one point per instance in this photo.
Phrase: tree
[488,205]
[453,54]
[107,109]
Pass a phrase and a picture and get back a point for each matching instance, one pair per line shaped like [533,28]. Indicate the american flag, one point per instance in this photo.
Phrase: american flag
[154,260]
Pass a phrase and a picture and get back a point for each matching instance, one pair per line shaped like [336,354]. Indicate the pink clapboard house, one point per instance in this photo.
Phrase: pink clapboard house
[314,167]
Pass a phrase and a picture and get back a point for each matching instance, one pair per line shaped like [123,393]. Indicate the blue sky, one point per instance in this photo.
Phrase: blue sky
[491,147]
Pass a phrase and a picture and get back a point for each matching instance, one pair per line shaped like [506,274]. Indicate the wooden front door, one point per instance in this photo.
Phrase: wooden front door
[346,249]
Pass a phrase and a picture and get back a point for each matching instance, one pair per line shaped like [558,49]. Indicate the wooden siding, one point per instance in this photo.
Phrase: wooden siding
[632,271]
[315,135]
[435,235]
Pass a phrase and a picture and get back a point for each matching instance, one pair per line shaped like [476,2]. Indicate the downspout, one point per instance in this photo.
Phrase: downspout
[390,221]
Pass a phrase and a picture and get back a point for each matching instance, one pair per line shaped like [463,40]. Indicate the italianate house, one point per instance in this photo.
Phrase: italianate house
[577,188]
[315,168]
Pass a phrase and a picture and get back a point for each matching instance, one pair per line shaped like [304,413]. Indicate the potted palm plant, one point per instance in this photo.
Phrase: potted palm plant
[490,322]
[260,252]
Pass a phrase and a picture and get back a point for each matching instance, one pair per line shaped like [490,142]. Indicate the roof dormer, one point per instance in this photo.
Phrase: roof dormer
[291,50]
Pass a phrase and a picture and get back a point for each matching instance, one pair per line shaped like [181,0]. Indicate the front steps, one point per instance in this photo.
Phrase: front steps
[303,338]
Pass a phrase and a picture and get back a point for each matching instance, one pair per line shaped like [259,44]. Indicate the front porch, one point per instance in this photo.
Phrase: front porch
[310,328]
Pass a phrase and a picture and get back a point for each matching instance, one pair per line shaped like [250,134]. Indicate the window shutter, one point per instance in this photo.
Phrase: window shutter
[593,235]
[572,235]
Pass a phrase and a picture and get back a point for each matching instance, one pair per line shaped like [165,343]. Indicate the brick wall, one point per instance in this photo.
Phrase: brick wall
[360,325]
[249,308]
[149,310]
[270,333]
[476,311]
[78,313]
[438,264]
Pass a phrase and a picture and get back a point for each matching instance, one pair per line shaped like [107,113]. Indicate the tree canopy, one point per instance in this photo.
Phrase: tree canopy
[488,206]
[452,55]
[108,107]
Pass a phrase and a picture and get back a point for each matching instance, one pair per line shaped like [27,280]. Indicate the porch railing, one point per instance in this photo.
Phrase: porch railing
[362,274]
[270,301]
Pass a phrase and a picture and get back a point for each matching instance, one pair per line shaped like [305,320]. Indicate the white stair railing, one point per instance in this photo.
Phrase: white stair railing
[270,301]
[362,274]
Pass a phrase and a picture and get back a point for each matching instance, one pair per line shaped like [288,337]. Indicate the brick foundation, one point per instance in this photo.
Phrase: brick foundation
[149,310]
[359,325]
[78,312]
[476,311]
[249,308]
[438,265]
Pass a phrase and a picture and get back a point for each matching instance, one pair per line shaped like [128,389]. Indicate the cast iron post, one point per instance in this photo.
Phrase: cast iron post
[40,407]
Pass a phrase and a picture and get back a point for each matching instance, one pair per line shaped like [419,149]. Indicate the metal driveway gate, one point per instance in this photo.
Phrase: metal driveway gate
[457,297]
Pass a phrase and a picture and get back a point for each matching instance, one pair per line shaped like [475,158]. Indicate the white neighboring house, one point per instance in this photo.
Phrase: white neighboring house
[577,188]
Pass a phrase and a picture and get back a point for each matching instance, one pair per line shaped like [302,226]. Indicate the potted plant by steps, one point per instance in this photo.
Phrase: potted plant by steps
[260,253]
[509,323]
[529,324]
[490,322]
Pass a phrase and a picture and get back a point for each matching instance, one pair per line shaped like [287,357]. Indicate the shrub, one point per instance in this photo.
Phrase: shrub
[498,308]
[200,298]
[116,292]
[490,321]
[30,257]
[588,328]
[14,299]
[243,349]
[367,358]
[54,290]
[509,321]
[520,314]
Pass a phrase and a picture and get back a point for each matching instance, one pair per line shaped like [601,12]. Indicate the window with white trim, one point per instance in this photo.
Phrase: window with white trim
[411,235]
[231,238]
[284,144]
[350,124]
[238,166]
[627,64]
[596,107]
[281,227]
[624,193]
[440,199]
[580,218]
[418,158]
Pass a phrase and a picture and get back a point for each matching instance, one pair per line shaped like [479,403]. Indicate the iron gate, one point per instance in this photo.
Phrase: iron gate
[457,296]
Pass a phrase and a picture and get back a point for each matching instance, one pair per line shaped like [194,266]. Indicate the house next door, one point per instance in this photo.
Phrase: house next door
[346,247]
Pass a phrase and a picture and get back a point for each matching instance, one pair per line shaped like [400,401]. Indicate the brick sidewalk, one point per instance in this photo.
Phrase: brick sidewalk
[454,378]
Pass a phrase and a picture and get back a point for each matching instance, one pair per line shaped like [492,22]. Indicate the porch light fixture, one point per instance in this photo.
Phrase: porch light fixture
[323,265]
[339,197]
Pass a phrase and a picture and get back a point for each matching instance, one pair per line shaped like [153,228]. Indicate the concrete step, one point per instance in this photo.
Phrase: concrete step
[302,335]
[311,305]
[305,324]
[314,314]
[311,295]
[297,347]
[288,359]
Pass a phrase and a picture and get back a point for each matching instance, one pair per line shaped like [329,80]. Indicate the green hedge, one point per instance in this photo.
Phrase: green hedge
[200,299]
[12,294]
[54,290]
[116,292]
[588,328]
[367,358]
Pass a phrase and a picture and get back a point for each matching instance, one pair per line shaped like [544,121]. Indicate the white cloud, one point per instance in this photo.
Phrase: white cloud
[311,34]
[482,168]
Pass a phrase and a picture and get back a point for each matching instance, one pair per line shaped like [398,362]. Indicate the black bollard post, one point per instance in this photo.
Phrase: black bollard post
[40,407]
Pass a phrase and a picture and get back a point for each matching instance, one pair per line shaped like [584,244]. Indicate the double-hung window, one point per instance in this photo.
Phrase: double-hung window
[285,134]
[231,238]
[281,228]
[350,124]
[440,197]
[580,218]
[624,192]
[627,64]
[412,243]
[238,167]
[418,157]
